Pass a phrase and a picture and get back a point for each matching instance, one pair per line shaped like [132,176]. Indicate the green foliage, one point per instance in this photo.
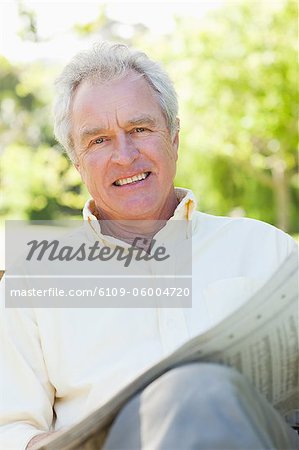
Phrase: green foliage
[236,76]
[37,180]
[94,26]
[237,82]
[29,26]
[51,190]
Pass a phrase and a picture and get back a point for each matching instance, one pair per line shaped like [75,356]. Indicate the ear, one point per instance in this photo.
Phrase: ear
[78,168]
[176,138]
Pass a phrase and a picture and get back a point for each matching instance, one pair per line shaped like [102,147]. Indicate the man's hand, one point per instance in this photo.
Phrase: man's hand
[38,440]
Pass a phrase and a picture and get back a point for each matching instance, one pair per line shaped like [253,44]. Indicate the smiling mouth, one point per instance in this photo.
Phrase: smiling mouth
[131,180]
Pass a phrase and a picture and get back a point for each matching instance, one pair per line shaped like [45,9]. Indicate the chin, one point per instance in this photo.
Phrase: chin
[137,215]
[135,211]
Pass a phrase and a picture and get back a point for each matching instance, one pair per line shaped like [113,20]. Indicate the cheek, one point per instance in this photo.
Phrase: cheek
[168,157]
[92,164]
[162,149]
[90,173]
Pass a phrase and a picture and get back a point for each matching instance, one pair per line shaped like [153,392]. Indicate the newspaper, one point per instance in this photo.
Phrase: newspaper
[260,340]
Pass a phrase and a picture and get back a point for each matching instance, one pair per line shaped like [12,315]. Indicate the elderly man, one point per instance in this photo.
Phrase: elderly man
[116,115]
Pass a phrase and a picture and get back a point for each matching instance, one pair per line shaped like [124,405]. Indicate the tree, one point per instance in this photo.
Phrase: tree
[236,76]
[37,179]
[235,73]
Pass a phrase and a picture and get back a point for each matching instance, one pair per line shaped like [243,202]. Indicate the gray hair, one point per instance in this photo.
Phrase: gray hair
[106,62]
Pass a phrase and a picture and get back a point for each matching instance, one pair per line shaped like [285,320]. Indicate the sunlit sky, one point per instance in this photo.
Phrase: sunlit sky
[55,20]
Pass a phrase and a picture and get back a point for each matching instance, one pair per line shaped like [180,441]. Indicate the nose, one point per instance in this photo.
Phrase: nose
[124,150]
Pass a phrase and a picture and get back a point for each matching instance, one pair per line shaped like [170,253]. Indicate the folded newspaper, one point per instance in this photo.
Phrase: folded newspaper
[260,340]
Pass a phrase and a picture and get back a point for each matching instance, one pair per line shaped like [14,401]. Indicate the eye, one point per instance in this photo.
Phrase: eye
[140,130]
[98,141]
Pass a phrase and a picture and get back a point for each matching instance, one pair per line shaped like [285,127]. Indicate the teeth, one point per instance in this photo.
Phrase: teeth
[139,177]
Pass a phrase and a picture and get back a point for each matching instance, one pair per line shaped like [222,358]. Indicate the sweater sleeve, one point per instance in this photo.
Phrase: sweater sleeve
[27,396]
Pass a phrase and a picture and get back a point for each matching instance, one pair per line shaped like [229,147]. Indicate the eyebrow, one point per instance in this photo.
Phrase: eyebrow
[89,132]
[148,120]
[140,120]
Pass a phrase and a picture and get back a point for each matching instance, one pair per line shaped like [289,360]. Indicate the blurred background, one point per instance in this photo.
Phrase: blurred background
[234,65]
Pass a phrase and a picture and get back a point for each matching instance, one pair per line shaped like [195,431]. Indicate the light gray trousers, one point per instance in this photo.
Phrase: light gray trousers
[203,407]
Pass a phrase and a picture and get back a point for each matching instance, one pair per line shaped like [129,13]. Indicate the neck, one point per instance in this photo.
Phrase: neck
[128,229]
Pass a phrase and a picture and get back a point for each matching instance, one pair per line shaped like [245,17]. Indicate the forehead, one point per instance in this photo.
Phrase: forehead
[130,94]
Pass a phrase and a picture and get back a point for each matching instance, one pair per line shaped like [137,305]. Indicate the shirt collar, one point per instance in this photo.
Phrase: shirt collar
[184,210]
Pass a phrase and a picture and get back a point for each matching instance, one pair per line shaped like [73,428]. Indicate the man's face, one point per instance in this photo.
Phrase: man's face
[125,154]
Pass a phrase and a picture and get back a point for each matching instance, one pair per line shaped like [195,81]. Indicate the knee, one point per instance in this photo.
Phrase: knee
[208,373]
[200,390]
[205,380]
